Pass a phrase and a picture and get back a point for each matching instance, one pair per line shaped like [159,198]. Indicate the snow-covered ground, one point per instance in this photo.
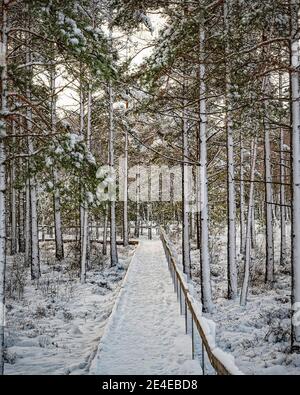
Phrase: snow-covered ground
[55,326]
[258,335]
[146,334]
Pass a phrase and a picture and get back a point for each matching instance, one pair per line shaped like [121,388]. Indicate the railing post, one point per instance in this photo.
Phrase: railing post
[185,316]
[193,341]
[180,299]
[203,359]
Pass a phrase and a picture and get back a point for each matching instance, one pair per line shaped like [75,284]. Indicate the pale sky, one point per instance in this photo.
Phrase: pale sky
[141,39]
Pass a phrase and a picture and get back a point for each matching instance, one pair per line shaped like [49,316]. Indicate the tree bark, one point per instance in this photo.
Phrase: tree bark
[242,199]
[113,230]
[34,248]
[186,249]
[206,296]
[3,129]
[13,201]
[104,247]
[245,286]
[269,277]
[231,203]
[125,207]
[282,190]
[295,64]
[59,244]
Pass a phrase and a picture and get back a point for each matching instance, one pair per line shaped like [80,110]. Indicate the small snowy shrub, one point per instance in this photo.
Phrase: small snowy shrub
[40,312]
[278,333]
[16,277]
[10,357]
[27,324]
[68,316]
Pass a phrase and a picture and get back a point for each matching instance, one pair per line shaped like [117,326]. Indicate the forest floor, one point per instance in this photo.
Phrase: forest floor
[146,333]
[258,335]
[54,326]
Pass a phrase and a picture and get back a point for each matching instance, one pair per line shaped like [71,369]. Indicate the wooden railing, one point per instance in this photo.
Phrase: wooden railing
[72,233]
[221,362]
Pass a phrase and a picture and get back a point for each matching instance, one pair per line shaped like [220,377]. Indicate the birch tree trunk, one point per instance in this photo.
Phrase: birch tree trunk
[149,206]
[113,231]
[104,247]
[88,143]
[245,286]
[242,199]
[83,241]
[137,207]
[231,204]
[35,256]
[253,233]
[83,205]
[59,244]
[295,64]
[34,250]
[206,297]
[125,207]
[27,224]
[186,254]
[3,129]
[21,221]
[269,277]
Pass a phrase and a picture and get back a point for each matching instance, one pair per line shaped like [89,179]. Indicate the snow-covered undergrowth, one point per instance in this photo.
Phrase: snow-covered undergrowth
[54,327]
[258,335]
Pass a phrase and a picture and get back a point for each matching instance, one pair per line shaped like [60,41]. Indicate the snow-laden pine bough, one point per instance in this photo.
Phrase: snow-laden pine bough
[221,362]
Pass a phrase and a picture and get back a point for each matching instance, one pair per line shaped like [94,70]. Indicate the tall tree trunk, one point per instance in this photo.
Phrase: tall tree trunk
[186,249]
[247,258]
[125,207]
[13,201]
[88,143]
[21,221]
[34,250]
[242,198]
[113,230]
[206,296]
[35,256]
[253,233]
[269,278]
[231,204]
[295,64]
[137,206]
[83,241]
[27,224]
[59,244]
[83,204]
[104,246]
[149,206]
[3,128]
[282,190]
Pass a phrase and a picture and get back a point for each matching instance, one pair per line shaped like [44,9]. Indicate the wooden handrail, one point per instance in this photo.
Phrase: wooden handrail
[216,363]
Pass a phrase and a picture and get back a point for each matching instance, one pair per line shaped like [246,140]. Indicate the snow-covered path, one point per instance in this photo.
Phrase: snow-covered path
[146,334]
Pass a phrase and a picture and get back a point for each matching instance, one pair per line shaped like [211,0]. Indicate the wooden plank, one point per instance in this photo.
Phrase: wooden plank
[119,242]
